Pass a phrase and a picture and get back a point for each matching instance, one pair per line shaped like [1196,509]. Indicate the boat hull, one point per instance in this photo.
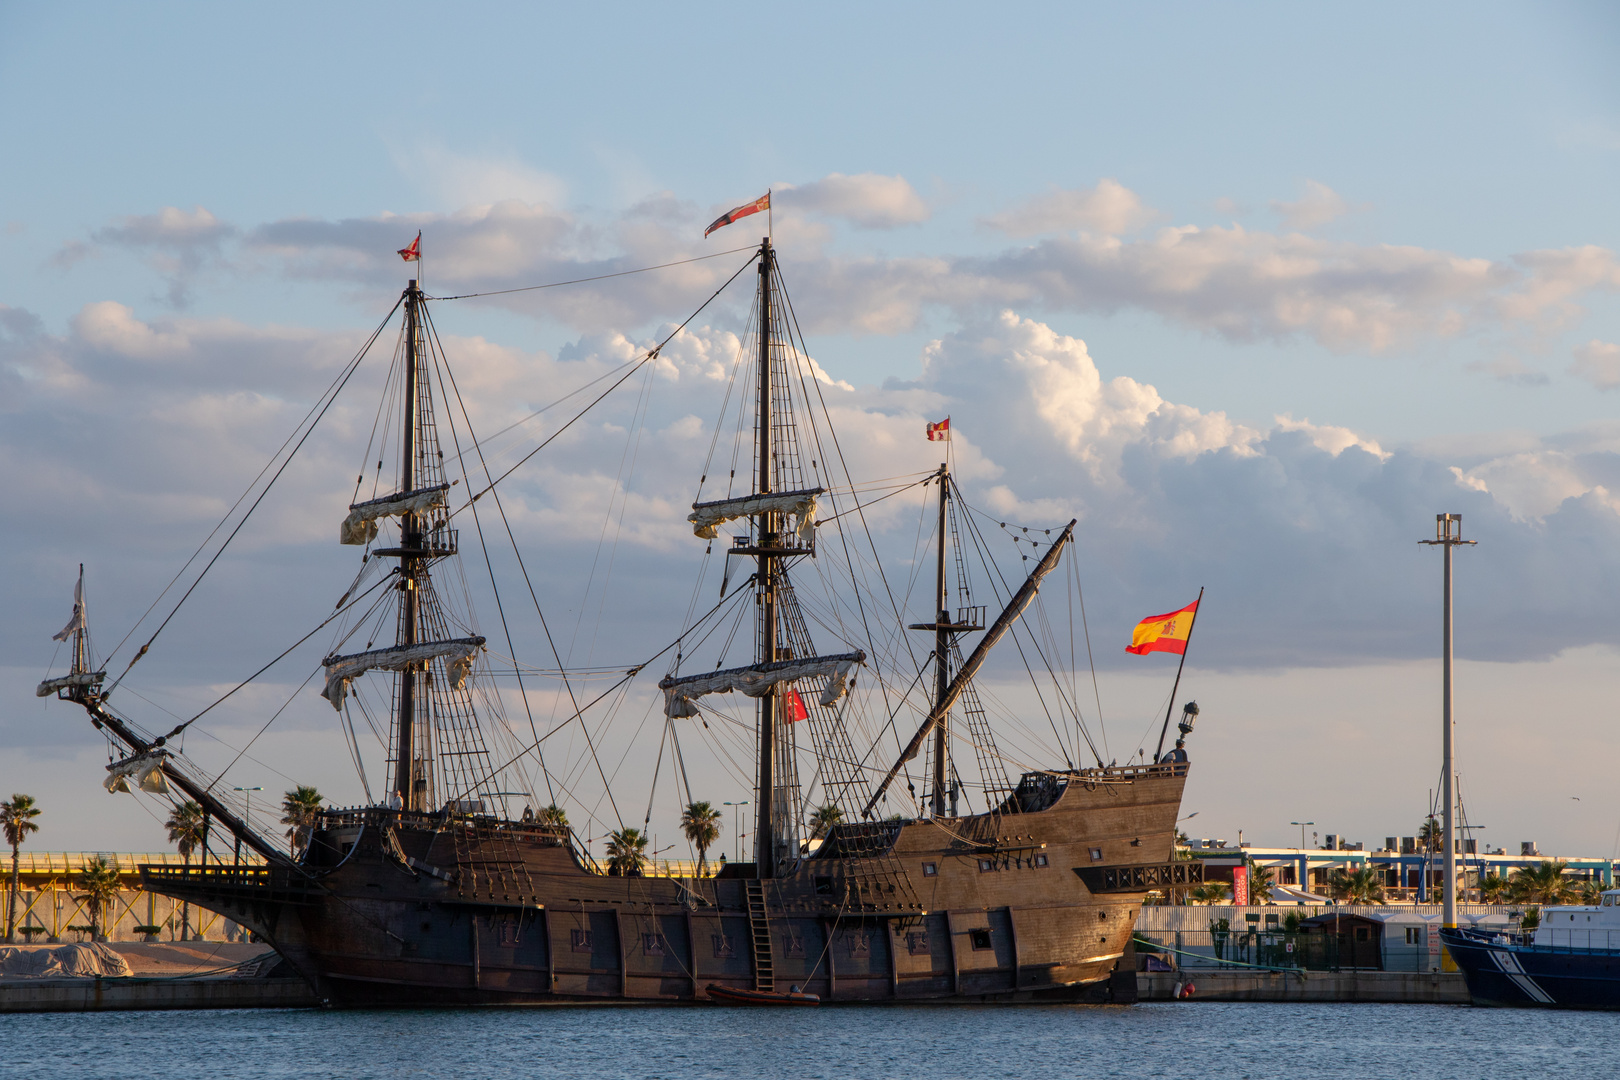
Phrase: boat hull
[1029,906]
[1530,976]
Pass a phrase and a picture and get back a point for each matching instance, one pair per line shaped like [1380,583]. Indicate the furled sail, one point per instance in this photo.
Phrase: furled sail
[146,769]
[706,518]
[759,679]
[342,670]
[78,679]
[360,527]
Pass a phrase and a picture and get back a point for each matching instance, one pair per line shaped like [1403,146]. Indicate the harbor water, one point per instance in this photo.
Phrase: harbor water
[1236,1040]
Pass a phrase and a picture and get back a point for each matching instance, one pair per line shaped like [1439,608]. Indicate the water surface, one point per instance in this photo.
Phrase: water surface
[1232,1041]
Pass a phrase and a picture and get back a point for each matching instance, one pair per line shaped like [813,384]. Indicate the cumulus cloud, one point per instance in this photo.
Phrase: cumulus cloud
[869,200]
[176,243]
[1110,208]
[1319,205]
[1241,284]
[1598,362]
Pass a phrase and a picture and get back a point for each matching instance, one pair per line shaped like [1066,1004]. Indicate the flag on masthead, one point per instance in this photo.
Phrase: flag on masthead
[414,252]
[1164,633]
[746,209]
[940,432]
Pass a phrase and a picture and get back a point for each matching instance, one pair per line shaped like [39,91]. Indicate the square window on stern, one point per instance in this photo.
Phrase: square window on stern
[1096,854]
[930,869]
[980,939]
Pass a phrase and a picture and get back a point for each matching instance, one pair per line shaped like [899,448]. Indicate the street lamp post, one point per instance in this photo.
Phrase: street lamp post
[1302,825]
[736,818]
[248,817]
[1304,860]
[1447,535]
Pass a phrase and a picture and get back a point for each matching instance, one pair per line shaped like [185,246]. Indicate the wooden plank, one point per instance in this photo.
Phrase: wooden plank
[956,967]
[691,954]
[551,951]
[1012,929]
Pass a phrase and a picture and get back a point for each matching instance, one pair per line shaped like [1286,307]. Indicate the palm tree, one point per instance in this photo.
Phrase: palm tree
[626,851]
[555,816]
[1363,886]
[700,821]
[1430,836]
[823,820]
[99,880]
[185,827]
[1260,884]
[17,819]
[1544,884]
[298,809]
[1210,892]
[1493,889]
[1590,892]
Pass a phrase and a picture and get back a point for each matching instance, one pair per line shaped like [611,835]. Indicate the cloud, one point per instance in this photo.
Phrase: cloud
[1241,284]
[1319,205]
[1598,362]
[472,180]
[176,243]
[1511,369]
[1110,208]
[868,200]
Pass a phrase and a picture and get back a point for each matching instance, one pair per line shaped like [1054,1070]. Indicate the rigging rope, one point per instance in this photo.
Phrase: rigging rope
[598,277]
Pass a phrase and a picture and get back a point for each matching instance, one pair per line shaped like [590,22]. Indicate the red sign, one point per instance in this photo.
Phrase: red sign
[1240,885]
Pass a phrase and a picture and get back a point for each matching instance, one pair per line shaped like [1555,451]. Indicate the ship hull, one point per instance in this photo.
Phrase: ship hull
[1530,976]
[1037,905]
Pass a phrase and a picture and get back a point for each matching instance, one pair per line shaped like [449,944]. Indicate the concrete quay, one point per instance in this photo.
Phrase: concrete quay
[177,975]
[100,994]
[1388,987]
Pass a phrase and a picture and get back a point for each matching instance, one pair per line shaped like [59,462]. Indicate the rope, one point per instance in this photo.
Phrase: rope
[598,277]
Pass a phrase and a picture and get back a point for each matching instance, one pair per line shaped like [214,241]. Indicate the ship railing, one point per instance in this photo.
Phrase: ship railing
[277,883]
[1114,774]
[1577,941]
[484,825]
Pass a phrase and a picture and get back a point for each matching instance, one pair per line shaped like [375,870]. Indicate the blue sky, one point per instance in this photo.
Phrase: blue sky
[1400,221]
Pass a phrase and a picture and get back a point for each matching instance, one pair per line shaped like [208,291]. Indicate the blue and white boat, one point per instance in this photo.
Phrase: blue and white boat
[1571,961]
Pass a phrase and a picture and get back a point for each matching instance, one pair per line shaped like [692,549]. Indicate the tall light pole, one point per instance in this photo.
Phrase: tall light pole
[248,818]
[1302,825]
[1447,535]
[736,817]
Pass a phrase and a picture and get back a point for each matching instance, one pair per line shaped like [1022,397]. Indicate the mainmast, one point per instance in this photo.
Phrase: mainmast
[405,780]
[765,585]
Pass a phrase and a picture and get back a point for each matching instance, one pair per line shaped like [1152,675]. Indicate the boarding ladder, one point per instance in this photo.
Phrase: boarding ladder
[760,930]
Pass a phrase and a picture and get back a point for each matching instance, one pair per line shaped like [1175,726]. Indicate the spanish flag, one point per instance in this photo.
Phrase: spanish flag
[1163,633]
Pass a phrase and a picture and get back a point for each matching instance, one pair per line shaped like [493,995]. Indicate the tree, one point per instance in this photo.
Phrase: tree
[1590,892]
[626,852]
[700,821]
[1430,835]
[100,882]
[1363,886]
[1544,884]
[1210,892]
[17,818]
[1494,889]
[1260,883]
[823,820]
[299,808]
[554,816]
[185,825]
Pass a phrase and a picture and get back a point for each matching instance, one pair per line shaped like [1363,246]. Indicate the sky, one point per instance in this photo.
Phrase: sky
[1252,291]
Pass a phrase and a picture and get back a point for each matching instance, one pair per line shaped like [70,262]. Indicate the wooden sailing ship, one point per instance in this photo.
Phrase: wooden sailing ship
[438,893]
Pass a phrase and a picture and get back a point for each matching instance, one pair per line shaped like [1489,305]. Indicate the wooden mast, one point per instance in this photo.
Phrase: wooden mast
[765,588]
[942,651]
[410,538]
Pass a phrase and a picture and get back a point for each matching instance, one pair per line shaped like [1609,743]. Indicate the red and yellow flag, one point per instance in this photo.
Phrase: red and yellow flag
[1163,633]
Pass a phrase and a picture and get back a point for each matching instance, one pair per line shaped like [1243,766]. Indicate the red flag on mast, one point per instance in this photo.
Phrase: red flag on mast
[414,252]
[745,210]
[795,708]
[940,432]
